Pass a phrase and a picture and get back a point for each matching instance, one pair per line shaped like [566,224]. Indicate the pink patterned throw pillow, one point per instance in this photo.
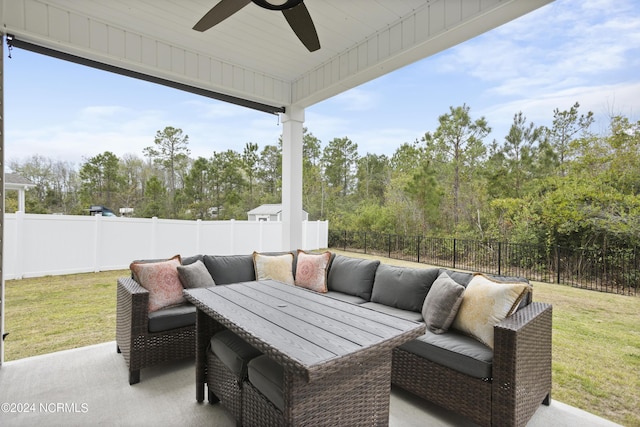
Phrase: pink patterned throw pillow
[311,270]
[161,280]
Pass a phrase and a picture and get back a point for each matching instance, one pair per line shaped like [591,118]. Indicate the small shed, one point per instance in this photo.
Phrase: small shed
[13,181]
[270,212]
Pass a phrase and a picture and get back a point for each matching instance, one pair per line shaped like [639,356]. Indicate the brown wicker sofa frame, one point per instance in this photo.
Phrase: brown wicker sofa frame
[521,373]
[521,367]
[141,348]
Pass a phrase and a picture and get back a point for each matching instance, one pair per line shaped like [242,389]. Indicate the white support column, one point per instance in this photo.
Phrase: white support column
[292,122]
[2,195]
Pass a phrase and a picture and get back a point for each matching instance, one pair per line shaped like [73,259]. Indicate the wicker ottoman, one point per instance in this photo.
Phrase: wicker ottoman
[227,360]
[356,396]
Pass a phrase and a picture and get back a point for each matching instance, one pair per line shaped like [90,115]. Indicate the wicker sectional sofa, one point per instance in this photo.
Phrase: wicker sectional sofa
[499,384]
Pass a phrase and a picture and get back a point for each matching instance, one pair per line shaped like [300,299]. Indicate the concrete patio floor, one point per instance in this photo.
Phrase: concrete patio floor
[89,386]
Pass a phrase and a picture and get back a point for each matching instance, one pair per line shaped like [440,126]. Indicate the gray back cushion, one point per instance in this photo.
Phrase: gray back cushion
[402,287]
[352,276]
[458,276]
[225,269]
[191,259]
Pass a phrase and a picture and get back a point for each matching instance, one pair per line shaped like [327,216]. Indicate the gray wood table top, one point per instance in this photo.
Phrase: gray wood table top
[308,333]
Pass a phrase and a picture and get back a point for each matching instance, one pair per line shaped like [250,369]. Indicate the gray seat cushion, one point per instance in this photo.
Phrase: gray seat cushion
[172,317]
[234,352]
[454,350]
[394,311]
[268,376]
[353,299]
[402,287]
[225,269]
[352,276]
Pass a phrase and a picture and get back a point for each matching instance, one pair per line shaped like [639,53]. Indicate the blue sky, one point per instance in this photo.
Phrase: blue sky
[566,52]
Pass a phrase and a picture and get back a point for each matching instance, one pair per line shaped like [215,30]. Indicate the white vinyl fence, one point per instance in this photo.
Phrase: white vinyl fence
[40,245]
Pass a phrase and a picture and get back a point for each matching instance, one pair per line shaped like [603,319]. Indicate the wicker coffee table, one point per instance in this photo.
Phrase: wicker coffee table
[336,356]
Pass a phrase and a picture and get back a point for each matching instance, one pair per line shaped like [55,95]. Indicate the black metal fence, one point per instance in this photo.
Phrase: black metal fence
[616,271]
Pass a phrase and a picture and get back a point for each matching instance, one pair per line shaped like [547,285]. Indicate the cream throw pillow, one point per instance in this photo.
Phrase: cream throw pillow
[485,303]
[274,267]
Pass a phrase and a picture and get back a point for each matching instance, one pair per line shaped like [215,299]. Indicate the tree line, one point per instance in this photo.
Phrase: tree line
[557,185]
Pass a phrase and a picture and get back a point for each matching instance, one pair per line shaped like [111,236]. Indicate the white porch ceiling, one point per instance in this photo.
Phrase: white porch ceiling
[254,54]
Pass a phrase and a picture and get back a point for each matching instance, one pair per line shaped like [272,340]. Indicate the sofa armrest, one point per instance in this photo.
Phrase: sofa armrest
[522,363]
[132,313]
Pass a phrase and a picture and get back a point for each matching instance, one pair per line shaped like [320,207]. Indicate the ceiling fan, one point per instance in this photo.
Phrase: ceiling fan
[294,11]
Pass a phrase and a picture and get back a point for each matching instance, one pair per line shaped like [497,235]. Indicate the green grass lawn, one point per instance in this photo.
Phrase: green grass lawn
[596,336]
[53,313]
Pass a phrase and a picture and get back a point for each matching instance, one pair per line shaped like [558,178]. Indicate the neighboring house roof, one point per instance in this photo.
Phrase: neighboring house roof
[267,209]
[13,181]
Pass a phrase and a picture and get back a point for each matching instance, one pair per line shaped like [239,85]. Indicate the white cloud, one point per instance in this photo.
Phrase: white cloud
[100,111]
[122,130]
[71,145]
[207,137]
[326,126]
[215,110]
[603,101]
[565,52]
[356,99]
[384,140]
[557,46]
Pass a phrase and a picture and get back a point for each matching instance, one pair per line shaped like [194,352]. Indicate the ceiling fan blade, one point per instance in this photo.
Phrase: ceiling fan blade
[219,13]
[302,24]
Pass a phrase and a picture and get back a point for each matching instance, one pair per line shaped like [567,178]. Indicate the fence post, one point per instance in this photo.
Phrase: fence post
[232,225]
[557,264]
[365,242]
[344,241]
[389,245]
[419,238]
[454,253]
[97,235]
[499,258]
[152,239]
[305,235]
[19,248]
[635,269]
[198,234]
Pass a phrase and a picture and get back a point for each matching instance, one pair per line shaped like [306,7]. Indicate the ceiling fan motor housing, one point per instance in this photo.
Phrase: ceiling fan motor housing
[277,4]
